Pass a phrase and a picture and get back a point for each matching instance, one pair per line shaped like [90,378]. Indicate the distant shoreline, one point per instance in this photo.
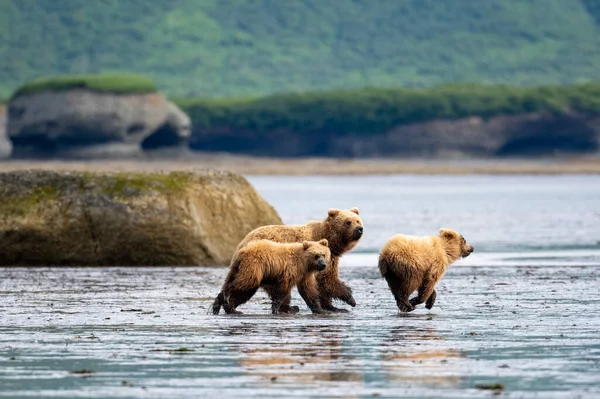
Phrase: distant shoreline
[321,166]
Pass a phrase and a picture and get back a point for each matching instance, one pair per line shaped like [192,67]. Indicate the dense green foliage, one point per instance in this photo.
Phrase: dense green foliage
[111,83]
[214,48]
[377,110]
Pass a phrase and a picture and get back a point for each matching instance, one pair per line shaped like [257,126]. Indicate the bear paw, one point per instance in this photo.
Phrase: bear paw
[351,302]
[406,307]
[289,310]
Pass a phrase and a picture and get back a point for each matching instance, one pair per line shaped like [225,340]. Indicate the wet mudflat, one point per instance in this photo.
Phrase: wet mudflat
[146,333]
[523,311]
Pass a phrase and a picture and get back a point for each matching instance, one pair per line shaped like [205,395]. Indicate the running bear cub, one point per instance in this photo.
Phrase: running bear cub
[409,263]
[280,266]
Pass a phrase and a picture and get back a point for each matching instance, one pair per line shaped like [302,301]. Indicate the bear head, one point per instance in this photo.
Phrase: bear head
[343,229]
[316,254]
[455,244]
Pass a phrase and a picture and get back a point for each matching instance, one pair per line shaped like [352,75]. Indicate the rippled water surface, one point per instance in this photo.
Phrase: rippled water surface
[523,311]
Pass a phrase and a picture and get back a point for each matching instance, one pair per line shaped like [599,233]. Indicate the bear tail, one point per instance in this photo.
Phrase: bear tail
[218,303]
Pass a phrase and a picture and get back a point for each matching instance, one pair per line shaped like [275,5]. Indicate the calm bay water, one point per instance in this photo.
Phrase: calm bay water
[523,311]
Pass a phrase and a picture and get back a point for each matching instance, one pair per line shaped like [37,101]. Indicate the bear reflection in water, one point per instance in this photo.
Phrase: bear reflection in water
[306,355]
[412,355]
[309,356]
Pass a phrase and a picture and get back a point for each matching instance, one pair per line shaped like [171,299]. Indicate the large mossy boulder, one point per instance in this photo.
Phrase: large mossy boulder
[97,116]
[108,219]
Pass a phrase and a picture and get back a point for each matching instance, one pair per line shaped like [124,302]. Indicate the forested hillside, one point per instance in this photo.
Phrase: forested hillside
[216,48]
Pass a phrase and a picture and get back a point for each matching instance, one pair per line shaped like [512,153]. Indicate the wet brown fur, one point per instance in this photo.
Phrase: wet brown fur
[280,266]
[338,228]
[411,263]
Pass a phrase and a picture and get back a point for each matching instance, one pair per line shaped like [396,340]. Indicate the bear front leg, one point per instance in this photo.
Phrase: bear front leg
[272,290]
[280,294]
[345,294]
[330,287]
[309,291]
[325,299]
[426,290]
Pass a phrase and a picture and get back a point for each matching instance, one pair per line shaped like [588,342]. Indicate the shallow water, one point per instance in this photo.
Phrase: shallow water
[523,311]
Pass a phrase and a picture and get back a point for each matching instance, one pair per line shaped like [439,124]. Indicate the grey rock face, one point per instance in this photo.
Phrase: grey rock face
[5,145]
[82,123]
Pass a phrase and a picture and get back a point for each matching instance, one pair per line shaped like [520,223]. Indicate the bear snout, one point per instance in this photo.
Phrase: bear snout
[469,251]
[358,232]
[321,264]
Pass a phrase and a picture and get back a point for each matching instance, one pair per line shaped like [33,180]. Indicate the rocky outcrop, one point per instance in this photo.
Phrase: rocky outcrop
[80,123]
[5,145]
[507,135]
[534,134]
[75,218]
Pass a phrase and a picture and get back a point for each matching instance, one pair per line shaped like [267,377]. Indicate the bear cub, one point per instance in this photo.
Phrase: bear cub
[410,263]
[279,266]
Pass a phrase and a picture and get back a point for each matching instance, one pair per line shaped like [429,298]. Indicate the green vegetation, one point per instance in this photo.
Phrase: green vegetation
[111,83]
[370,110]
[121,184]
[128,184]
[23,204]
[213,48]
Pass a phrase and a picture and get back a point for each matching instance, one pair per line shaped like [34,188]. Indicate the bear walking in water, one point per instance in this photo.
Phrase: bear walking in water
[409,263]
[341,228]
[279,266]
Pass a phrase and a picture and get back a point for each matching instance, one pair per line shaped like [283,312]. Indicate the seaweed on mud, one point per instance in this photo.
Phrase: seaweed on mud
[82,372]
[183,349]
[491,387]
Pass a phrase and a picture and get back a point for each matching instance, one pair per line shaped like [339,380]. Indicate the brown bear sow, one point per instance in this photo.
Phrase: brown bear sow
[342,229]
[409,263]
[279,266]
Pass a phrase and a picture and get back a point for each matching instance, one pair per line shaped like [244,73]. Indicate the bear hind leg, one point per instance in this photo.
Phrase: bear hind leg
[236,297]
[218,303]
[400,292]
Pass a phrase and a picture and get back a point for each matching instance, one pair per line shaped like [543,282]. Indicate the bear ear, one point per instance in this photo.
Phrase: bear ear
[305,244]
[333,212]
[354,210]
[447,233]
[324,242]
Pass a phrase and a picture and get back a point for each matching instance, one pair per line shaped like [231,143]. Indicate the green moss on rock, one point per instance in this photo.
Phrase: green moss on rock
[128,184]
[23,203]
[108,83]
